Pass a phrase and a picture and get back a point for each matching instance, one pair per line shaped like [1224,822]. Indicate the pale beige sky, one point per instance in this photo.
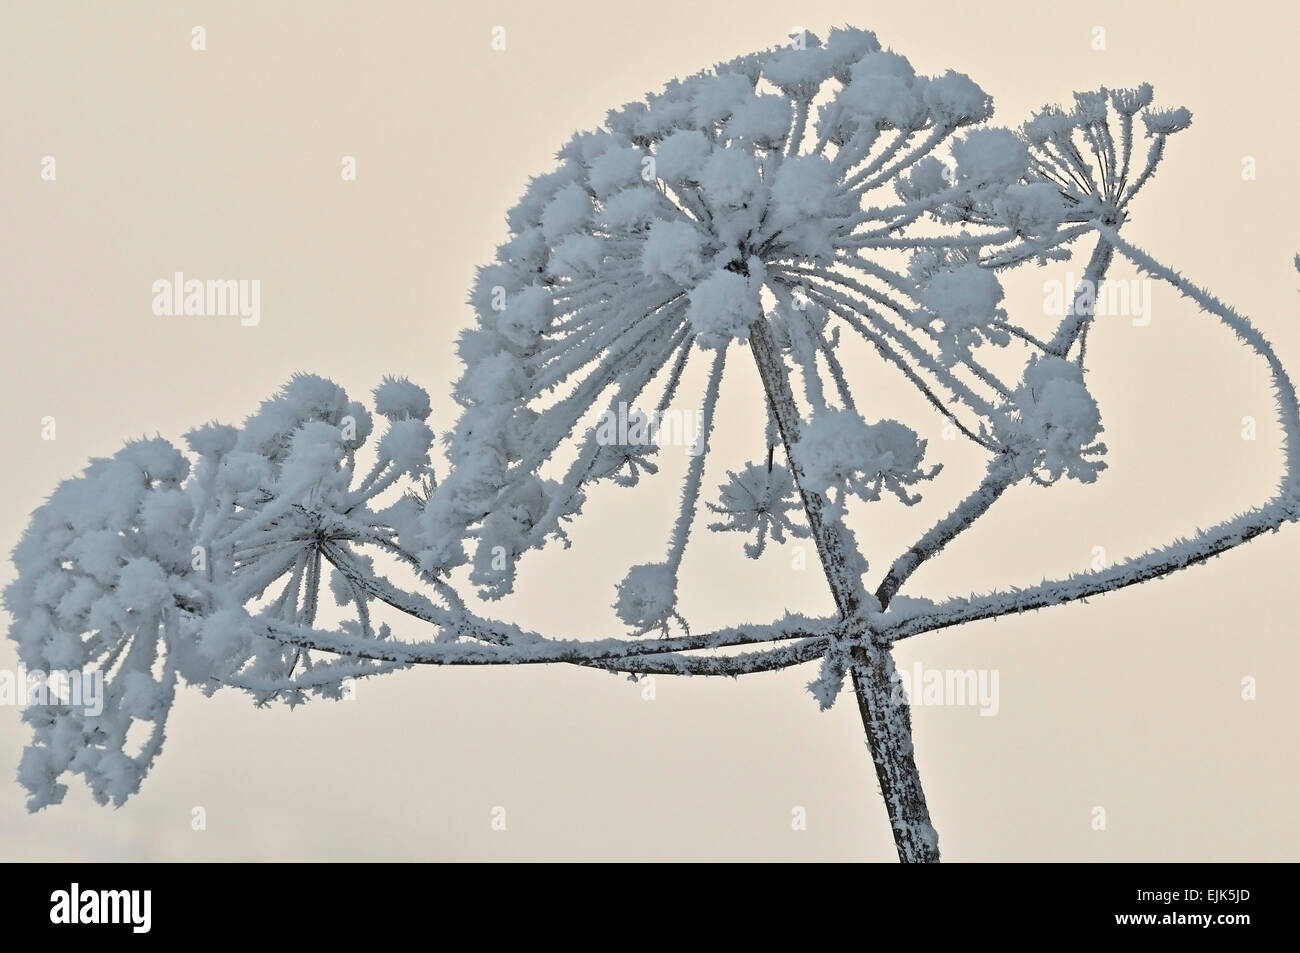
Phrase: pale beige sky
[226,163]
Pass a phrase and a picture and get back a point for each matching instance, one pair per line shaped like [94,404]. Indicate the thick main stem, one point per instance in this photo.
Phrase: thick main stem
[885,714]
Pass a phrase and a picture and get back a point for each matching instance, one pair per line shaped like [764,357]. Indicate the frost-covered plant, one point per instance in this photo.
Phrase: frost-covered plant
[780,204]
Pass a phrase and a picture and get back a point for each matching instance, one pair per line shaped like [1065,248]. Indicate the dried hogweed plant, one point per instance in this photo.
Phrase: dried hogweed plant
[767,211]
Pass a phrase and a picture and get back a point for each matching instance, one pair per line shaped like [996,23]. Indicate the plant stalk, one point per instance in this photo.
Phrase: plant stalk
[885,714]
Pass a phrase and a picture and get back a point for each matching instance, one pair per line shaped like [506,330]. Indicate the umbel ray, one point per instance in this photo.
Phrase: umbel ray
[772,210]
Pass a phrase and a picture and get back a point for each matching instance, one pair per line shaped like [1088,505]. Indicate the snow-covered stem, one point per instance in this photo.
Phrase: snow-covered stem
[742,663]
[1078,317]
[885,717]
[695,473]
[1153,565]
[531,649]
[999,477]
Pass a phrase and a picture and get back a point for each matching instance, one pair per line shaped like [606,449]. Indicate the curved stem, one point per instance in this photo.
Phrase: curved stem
[1283,507]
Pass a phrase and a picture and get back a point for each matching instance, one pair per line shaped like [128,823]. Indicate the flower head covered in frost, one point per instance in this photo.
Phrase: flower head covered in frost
[1080,170]
[97,568]
[282,503]
[647,598]
[840,451]
[634,456]
[1088,165]
[153,565]
[1067,168]
[759,500]
[1053,424]
[790,186]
